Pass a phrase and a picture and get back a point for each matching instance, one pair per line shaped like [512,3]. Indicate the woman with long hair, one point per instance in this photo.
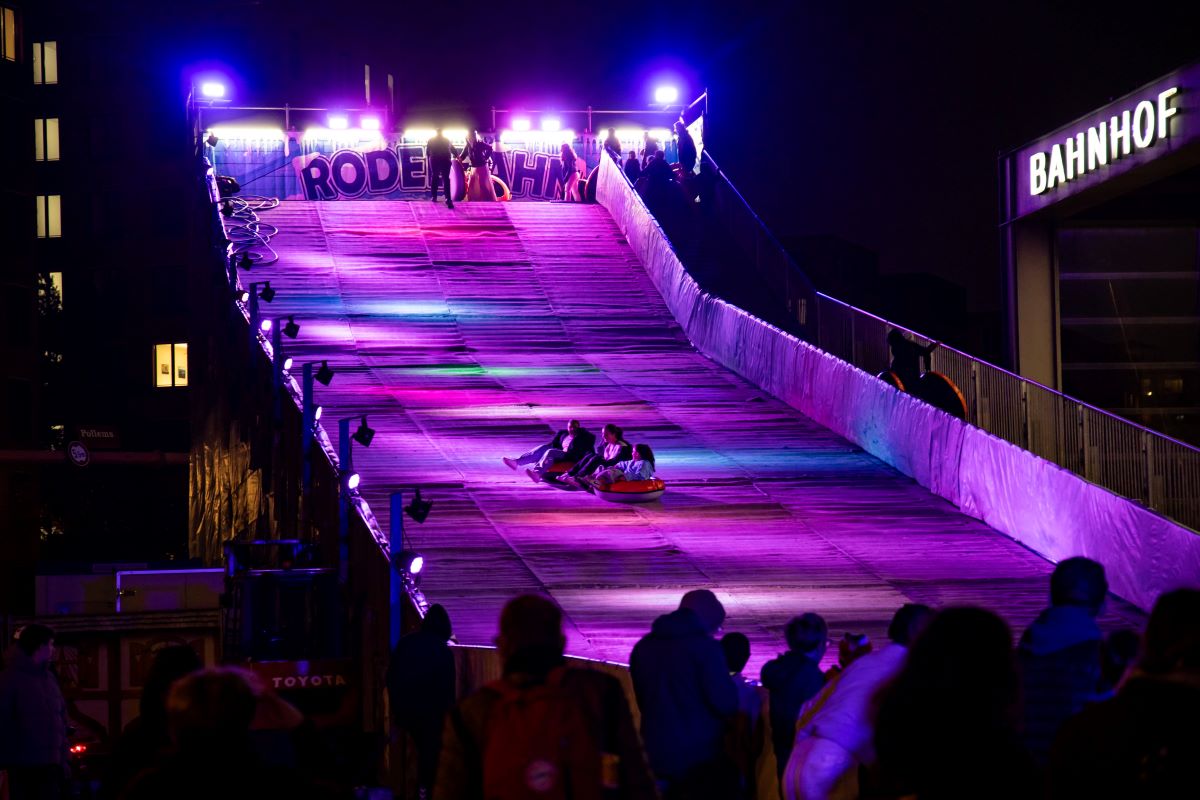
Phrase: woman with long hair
[478,154]
[570,173]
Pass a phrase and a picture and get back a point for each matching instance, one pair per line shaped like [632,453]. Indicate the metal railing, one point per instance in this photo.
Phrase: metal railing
[1126,458]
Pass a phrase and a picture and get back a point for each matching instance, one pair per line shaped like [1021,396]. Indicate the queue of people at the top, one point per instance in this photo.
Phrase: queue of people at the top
[589,465]
[652,152]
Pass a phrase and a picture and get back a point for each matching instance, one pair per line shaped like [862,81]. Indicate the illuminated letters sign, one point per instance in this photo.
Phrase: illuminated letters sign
[1132,129]
[1160,121]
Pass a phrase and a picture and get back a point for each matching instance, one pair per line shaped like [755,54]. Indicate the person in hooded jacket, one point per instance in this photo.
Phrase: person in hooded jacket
[33,718]
[421,681]
[1060,653]
[687,698]
[793,678]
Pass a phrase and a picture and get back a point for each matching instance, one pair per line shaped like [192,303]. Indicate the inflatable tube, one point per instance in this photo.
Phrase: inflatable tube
[593,181]
[632,491]
[458,181]
[891,379]
[559,467]
[941,393]
[502,190]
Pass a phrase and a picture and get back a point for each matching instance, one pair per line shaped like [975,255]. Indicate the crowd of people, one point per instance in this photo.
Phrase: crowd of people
[574,458]
[949,707]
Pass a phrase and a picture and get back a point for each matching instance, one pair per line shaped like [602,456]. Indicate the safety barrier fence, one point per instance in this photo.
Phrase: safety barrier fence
[1126,458]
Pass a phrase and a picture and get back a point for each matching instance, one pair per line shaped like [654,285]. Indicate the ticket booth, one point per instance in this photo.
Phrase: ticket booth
[1100,227]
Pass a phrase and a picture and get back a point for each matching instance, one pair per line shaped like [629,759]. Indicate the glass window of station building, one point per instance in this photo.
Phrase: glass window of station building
[1101,239]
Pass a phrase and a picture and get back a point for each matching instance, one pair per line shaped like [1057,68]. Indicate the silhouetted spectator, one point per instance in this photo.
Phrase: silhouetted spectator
[209,714]
[1059,653]
[146,740]
[947,726]
[33,718]
[1144,742]
[543,729]
[439,153]
[747,732]
[657,171]
[835,731]
[906,358]
[650,148]
[686,698]
[613,145]
[687,147]
[420,682]
[1118,653]
[633,167]
[793,678]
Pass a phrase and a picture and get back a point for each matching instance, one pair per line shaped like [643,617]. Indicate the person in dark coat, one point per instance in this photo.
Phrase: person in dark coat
[146,739]
[633,167]
[600,753]
[946,727]
[571,445]
[687,147]
[1060,653]
[421,684]
[438,155]
[609,452]
[613,145]
[906,358]
[687,699]
[33,718]
[793,678]
[1144,742]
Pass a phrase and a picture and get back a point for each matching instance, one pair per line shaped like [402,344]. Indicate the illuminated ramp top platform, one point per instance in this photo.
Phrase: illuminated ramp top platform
[474,333]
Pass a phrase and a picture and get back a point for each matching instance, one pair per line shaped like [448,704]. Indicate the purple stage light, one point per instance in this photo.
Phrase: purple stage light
[551,124]
[338,122]
[666,94]
[352,481]
[521,124]
[266,324]
[370,123]
[287,363]
[212,89]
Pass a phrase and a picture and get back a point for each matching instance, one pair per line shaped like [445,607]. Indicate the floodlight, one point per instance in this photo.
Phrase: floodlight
[551,123]
[324,375]
[212,140]
[338,122]
[291,330]
[243,296]
[521,124]
[364,434]
[245,262]
[666,94]
[317,414]
[287,364]
[267,293]
[409,561]
[352,481]
[266,324]
[418,509]
[370,123]
[212,89]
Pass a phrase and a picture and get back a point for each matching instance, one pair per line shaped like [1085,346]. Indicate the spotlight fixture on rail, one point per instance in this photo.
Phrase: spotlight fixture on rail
[266,324]
[324,375]
[418,509]
[409,562]
[351,480]
[287,364]
[364,434]
[267,293]
[227,208]
[291,329]
[245,261]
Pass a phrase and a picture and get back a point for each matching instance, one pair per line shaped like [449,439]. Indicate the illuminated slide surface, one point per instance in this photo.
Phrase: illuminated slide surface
[472,334]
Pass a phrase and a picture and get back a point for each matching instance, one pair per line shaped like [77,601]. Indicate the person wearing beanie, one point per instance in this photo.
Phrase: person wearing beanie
[686,697]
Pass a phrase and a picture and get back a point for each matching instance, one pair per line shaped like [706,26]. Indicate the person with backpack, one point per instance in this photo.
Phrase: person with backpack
[543,730]
[687,699]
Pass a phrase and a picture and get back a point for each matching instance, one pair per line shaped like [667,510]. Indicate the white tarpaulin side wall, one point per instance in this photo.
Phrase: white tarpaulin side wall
[1048,509]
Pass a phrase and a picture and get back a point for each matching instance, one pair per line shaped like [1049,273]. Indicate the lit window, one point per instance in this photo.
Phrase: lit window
[8,34]
[49,216]
[170,365]
[45,62]
[52,286]
[45,138]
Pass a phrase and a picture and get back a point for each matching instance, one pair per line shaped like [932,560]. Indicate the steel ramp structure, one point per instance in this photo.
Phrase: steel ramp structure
[470,334]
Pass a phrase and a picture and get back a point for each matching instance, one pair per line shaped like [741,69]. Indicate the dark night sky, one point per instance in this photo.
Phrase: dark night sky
[879,123]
